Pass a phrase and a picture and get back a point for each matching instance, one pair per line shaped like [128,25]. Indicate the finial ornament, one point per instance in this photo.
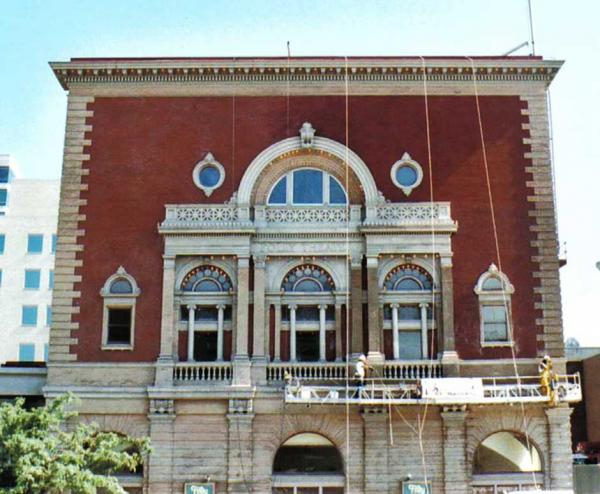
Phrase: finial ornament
[307,134]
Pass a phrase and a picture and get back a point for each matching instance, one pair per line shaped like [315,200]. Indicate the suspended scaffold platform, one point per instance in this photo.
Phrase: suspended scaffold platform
[435,391]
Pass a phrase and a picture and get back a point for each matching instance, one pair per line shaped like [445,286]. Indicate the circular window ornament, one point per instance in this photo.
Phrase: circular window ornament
[208,175]
[406,174]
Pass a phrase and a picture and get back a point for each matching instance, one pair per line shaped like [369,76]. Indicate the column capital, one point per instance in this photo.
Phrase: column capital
[243,261]
[558,415]
[395,306]
[191,306]
[292,306]
[168,262]
[221,306]
[372,262]
[356,261]
[424,305]
[322,306]
[259,261]
[446,261]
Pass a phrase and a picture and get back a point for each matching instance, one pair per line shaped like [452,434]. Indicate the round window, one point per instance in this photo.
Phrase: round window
[209,174]
[406,174]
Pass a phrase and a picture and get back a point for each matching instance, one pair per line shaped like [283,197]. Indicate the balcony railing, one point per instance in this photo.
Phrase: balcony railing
[202,372]
[309,371]
[211,216]
[415,369]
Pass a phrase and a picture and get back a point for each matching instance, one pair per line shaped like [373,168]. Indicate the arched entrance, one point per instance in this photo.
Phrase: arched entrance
[308,463]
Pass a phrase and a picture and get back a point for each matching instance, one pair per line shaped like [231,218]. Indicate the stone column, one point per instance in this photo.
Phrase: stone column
[356,308]
[277,354]
[191,330]
[240,447]
[559,439]
[338,333]
[395,335]
[241,362]
[293,332]
[424,346]
[375,355]
[165,363]
[220,320]
[446,338]
[456,474]
[376,450]
[322,325]
[259,348]
[160,461]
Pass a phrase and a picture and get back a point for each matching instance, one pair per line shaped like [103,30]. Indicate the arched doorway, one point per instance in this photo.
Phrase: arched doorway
[308,463]
[505,461]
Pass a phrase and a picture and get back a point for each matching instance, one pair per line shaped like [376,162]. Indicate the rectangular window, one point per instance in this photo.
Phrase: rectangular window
[32,279]
[205,346]
[53,244]
[410,345]
[2,240]
[4,174]
[26,352]
[46,352]
[48,316]
[29,315]
[495,327]
[3,197]
[51,279]
[35,243]
[119,326]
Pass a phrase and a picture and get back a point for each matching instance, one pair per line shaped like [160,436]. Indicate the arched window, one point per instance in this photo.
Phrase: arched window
[206,278]
[408,277]
[506,452]
[308,186]
[308,278]
[119,293]
[305,460]
[494,291]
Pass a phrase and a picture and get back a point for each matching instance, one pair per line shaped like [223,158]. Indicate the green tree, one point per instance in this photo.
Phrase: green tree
[40,455]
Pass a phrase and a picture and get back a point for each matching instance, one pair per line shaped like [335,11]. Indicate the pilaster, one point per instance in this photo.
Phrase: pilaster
[376,450]
[456,473]
[356,307]
[160,461]
[165,363]
[375,344]
[450,361]
[241,362]
[559,438]
[240,446]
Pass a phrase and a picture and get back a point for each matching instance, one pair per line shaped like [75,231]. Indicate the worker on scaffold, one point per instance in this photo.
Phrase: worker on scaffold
[548,379]
[361,369]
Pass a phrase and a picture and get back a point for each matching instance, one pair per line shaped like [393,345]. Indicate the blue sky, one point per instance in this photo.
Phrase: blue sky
[32,104]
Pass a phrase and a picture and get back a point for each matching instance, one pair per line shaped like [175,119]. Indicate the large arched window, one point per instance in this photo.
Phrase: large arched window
[206,278]
[308,461]
[505,458]
[307,186]
[308,278]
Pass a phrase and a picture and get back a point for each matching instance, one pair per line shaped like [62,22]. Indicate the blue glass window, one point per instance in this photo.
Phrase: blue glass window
[4,174]
[206,279]
[35,243]
[308,278]
[3,197]
[409,313]
[121,286]
[53,248]
[29,315]
[336,192]
[406,175]
[307,285]
[410,345]
[46,351]
[308,187]
[32,279]
[279,192]
[209,176]
[492,283]
[408,284]
[48,316]
[51,279]
[26,352]
[495,327]
[2,240]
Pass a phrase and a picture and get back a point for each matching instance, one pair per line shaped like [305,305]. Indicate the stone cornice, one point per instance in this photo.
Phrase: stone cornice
[302,70]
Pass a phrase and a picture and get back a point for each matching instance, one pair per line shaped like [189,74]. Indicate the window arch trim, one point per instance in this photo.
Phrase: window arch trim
[408,271]
[120,274]
[323,279]
[198,275]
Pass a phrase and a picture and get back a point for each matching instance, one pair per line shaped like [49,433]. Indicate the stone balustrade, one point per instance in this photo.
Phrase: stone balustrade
[412,369]
[202,372]
[306,370]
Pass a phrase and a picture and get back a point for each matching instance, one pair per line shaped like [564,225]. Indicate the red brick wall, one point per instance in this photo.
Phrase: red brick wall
[144,149]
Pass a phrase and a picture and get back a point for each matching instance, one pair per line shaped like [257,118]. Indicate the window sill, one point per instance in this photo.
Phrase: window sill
[117,347]
[488,344]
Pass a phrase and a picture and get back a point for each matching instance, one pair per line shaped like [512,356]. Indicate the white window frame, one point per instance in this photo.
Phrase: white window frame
[498,298]
[119,301]
[289,192]
[209,160]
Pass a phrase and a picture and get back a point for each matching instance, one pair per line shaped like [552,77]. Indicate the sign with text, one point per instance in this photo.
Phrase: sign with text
[204,488]
[452,388]
[416,487]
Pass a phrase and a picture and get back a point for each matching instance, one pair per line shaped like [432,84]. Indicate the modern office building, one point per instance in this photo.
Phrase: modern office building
[28,216]
[235,233]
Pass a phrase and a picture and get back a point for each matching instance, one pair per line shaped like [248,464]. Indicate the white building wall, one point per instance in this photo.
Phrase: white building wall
[32,208]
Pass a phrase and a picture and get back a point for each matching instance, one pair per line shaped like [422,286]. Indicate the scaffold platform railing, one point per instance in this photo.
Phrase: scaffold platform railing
[436,391]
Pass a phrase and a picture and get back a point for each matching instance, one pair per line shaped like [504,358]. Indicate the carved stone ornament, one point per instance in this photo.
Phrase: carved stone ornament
[162,407]
[241,406]
[307,134]
[208,174]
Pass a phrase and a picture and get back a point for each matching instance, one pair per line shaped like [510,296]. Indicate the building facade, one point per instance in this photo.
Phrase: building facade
[235,233]
[28,218]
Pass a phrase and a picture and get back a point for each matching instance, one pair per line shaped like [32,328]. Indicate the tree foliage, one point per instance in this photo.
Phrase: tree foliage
[40,454]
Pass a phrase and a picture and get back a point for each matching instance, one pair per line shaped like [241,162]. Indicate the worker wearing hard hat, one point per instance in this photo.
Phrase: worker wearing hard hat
[360,373]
